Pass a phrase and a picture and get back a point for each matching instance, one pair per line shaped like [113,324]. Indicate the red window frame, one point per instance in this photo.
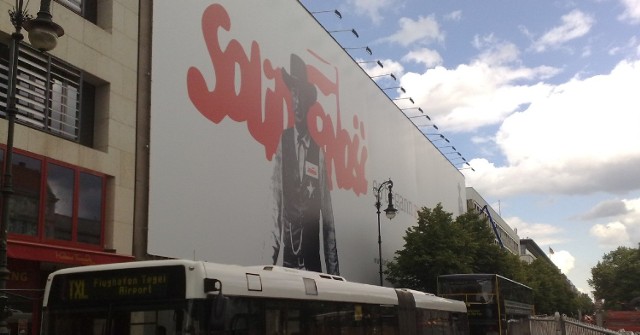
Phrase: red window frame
[41,237]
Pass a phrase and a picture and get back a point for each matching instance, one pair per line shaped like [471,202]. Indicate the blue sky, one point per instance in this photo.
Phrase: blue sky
[542,98]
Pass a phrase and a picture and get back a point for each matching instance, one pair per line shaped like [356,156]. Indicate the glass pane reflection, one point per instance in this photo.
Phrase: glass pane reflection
[90,209]
[59,209]
[25,201]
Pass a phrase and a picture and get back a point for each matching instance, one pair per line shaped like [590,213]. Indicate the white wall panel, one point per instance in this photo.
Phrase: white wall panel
[211,167]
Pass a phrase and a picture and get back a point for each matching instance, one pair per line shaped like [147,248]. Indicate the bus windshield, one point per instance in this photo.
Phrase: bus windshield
[470,290]
[163,319]
[147,301]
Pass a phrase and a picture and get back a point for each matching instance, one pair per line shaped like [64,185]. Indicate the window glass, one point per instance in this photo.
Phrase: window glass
[116,320]
[84,8]
[64,112]
[389,317]
[25,201]
[48,95]
[90,208]
[59,205]
[74,5]
[431,322]
[55,202]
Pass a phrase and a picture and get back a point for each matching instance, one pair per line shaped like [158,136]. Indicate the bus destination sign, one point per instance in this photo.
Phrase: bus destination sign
[156,283]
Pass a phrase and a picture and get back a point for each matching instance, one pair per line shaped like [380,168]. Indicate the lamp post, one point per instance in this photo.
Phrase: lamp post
[390,212]
[43,34]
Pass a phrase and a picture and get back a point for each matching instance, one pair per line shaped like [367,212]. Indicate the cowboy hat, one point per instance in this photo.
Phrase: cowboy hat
[298,78]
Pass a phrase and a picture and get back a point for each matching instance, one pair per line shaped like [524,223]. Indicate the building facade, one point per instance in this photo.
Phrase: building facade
[74,147]
[504,233]
[530,251]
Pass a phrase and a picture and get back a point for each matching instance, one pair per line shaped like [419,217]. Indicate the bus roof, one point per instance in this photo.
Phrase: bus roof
[274,281]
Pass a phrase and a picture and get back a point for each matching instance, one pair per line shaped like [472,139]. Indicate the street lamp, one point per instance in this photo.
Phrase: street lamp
[353,31]
[365,48]
[372,61]
[390,212]
[395,87]
[43,35]
[335,11]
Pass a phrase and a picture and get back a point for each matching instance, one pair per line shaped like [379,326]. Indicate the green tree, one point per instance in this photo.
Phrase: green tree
[438,245]
[487,256]
[552,291]
[585,304]
[615,278]
[429,250]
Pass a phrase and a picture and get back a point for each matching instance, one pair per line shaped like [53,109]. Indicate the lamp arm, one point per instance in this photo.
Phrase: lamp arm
[389,185]
[377,190]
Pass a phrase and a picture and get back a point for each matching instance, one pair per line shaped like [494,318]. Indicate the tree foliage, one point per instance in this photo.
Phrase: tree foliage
[616,278]
[585,304]
[440,244]
[552,290]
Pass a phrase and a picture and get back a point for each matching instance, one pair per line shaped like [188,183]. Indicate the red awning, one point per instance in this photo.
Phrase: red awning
[60,254]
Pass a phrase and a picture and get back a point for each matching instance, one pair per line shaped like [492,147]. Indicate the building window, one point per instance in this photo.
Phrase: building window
[56,202]
[25,201]
[90,208]
[59,198]
[85,8]
[51,95]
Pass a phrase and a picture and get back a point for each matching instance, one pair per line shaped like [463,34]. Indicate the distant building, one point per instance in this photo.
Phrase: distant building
[508,236]
[527,248]
[530,251]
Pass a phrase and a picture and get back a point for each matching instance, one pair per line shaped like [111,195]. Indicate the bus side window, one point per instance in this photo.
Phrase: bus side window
[273,322]
[282,321]
[245,324]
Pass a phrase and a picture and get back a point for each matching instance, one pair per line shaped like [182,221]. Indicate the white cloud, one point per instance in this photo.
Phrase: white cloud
[545,234]
[390,66]
[541,233]
[608,208]
[631,11]
[484,41]
[563,260]
[610,235]
[631,220]
[624,230]
[476,95]
[581,137]
[481,93]
[424,30]
[454,16]
[372,8]
[574,25]
[428,57]
[494,51]
[501,53]
[629,47]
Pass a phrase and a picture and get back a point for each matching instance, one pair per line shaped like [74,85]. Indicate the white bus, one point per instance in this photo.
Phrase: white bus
[181,297]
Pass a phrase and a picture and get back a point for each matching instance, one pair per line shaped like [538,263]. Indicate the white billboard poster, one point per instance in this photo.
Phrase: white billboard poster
[267,141]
